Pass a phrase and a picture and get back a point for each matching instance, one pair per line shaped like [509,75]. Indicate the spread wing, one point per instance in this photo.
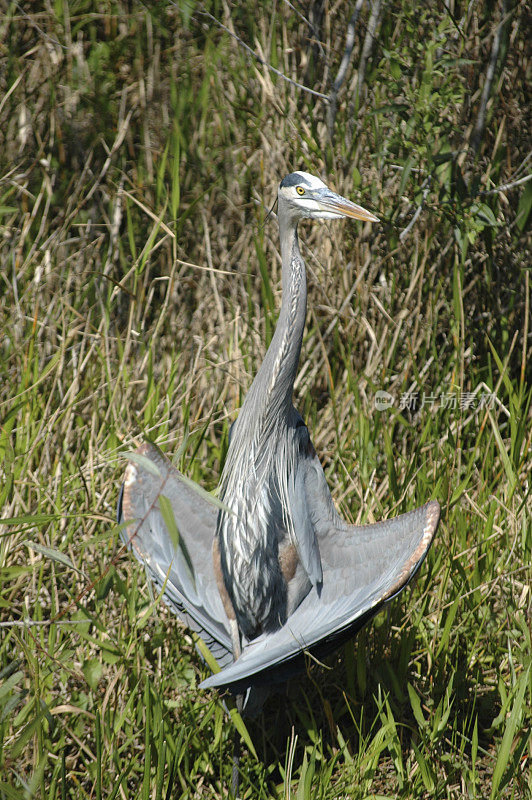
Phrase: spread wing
[186,570]
[363,567]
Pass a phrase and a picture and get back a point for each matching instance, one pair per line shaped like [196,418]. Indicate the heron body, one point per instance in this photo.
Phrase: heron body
[268,548]
[261,562]
[286,574]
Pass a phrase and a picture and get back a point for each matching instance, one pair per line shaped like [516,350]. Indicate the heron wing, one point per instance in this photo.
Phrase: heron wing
[304,532]
[184,569]
[363,567]
[302,529]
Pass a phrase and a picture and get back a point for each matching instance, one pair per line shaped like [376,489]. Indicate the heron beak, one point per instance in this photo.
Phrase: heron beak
[337,204]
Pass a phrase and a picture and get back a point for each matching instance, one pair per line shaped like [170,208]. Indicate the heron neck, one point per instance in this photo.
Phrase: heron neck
[268,403]
[276,376]
[291,322]
[270,395]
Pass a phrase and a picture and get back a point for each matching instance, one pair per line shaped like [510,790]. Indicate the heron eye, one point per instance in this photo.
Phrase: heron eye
[300,190]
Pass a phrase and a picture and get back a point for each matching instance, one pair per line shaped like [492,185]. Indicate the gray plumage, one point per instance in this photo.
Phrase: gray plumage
[286,575]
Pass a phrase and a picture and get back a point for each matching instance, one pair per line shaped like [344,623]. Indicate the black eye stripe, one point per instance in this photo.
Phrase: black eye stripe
[294,179]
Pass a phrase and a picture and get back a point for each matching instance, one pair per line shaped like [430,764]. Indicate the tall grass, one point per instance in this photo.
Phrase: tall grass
[141,149]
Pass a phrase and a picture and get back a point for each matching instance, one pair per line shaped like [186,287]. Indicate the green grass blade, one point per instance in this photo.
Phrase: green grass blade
[517,712]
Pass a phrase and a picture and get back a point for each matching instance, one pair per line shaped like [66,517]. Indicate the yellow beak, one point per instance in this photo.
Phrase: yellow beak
[330,201]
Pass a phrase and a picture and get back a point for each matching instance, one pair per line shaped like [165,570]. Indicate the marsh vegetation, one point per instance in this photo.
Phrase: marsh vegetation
[140,150]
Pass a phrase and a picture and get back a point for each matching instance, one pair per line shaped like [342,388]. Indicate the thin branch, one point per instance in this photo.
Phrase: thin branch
[453,19]
[262,60]
[31,623]
[312,28]
[349,44]
[342,70]
[426,189]
[46,36]
[374,20]
[488,82]
[505,186]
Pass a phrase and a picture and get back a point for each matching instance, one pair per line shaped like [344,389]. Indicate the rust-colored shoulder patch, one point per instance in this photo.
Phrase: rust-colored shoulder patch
[128,512]
[288,560]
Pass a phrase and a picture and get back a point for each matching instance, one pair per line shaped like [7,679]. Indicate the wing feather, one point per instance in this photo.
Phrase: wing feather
[187,576]
[363,567]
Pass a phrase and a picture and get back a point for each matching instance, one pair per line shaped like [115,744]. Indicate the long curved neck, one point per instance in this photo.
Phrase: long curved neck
[288,335]
[271,392]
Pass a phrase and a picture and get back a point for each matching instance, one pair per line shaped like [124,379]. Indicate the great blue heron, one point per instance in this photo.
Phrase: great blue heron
[275,572]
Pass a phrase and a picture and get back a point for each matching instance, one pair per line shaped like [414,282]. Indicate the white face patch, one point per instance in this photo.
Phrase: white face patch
[299,189]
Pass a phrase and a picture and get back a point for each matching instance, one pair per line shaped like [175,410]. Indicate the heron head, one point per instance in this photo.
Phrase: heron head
[305,196]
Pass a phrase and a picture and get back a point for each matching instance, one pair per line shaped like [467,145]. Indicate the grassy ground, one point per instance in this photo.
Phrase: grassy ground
[140,280]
